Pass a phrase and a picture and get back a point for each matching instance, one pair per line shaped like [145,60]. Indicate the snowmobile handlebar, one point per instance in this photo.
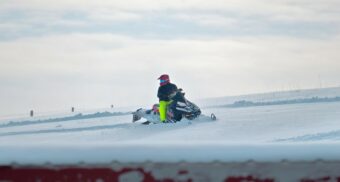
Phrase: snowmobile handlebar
[176,92]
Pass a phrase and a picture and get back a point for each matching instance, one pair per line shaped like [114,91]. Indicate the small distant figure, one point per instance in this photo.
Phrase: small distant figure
[72,109]
[111,106]
[31,113]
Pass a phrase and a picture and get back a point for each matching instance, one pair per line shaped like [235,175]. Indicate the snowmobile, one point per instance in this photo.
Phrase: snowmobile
[178,109]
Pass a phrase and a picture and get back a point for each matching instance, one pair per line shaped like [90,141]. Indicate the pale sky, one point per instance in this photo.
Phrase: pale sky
[91,54]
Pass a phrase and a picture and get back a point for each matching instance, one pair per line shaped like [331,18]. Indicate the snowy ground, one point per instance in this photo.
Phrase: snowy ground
[264,133]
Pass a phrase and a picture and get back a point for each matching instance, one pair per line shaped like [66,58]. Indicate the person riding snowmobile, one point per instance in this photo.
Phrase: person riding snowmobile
[165,91]
[172,107]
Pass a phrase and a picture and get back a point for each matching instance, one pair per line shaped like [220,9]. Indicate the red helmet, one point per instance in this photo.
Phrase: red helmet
[164,79]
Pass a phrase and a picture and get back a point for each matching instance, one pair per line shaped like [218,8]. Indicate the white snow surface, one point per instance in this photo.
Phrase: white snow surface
[264,133]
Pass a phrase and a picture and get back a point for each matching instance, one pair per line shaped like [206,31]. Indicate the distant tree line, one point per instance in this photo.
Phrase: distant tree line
[244,103]
[79,116]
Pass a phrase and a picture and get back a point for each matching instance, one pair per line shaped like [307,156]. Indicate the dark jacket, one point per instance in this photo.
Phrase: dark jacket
[165,91]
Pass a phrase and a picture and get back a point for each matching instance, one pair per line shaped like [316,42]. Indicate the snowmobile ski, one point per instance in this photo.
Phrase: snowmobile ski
[213,117]
[146,123]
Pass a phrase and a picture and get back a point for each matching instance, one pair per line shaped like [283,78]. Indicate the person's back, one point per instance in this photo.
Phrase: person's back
[165,90]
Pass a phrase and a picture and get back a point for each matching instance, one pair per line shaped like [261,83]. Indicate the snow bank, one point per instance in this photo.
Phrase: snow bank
[189,152]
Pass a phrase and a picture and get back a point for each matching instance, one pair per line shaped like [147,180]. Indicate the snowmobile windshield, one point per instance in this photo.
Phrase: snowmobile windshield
[179,97]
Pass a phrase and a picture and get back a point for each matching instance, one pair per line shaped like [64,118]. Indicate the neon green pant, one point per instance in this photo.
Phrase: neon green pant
[163,106]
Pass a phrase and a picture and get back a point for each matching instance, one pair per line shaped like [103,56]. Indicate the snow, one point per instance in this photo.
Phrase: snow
[305,131]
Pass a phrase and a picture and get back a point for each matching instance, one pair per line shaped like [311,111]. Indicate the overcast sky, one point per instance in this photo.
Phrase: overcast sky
[91,54]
